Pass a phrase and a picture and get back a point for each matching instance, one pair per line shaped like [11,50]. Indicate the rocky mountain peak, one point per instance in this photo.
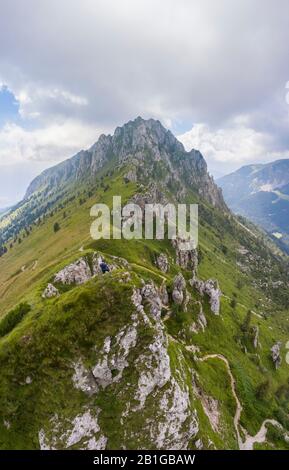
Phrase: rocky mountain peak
[140,133]
[152,152]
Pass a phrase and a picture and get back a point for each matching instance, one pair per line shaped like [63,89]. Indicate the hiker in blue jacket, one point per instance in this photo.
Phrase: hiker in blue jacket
[104,267]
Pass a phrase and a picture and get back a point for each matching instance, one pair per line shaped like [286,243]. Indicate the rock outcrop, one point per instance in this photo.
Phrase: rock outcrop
[162,262]
[50,291]
[276,354]
[176,420]
[156,371]
[186,259]
[81,271]
[78,272]
[210,406]
[202,321]
[113,360]
[255,333]
[169,420]
[163,293]
[83,430]
[211,289]
[83,379]
[179,288]
[151,296]
[130,176]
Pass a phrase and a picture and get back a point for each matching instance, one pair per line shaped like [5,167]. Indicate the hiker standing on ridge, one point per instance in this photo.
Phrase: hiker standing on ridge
[104,267]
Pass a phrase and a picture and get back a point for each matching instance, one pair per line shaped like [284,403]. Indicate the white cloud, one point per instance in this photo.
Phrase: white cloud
[233,144]
[34,100]
[48,144]
[229,148]
[4,201]
[178,61]
[200,61]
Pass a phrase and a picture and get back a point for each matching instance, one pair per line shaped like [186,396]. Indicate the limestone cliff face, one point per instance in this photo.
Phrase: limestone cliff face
[149,150]
[142,378]
[136,365]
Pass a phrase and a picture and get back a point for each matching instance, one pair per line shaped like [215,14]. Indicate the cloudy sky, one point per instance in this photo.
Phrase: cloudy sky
[214,72]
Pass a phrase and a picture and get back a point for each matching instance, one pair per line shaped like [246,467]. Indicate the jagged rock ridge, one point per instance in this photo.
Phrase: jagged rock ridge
[149,149]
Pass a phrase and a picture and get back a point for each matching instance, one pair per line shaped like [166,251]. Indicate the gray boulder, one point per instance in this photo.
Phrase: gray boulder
[162,263]
[186,259]
[179,288]
[50,292]
[163,293]
[276,354]
[210,288]
[75,273]
[151,295]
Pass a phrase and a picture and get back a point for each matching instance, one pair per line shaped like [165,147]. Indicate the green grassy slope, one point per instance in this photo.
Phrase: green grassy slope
[53,333]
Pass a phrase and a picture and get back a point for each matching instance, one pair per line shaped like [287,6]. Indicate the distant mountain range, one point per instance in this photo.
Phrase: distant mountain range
[261,193]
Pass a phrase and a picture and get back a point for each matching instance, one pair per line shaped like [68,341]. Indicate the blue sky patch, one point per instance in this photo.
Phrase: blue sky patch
[9,106]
